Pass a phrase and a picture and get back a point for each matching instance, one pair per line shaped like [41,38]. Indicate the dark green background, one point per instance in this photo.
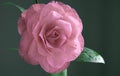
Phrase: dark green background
[101,21]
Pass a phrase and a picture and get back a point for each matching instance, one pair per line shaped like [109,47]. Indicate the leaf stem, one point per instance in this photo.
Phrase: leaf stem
[13,4]
[36,1]
[63,73]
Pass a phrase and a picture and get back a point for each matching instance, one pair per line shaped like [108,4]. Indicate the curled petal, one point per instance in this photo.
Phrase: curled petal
[40,27]
[65,26]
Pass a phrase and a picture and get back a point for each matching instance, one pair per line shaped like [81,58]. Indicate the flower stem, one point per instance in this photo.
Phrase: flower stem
[36,1]
[63,73]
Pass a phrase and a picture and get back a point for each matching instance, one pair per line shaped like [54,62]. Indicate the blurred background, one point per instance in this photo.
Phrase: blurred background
[101,22]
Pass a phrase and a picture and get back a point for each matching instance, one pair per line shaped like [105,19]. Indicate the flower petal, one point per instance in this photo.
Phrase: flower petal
[69,11]
[33,53]
[21,23]
[24,45]
[72,49]
[56,62]
[65,26]
[75,25]
[52,6]
[50,69]
[32,16]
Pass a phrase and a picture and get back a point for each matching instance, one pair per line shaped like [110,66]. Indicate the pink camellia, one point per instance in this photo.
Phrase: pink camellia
[50,36]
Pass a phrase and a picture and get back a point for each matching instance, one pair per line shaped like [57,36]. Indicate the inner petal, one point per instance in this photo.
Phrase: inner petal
[52,34]
[55,38]
[55,34]
[64,27]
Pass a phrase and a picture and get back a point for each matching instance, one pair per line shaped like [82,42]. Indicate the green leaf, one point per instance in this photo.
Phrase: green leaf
[89,55]
[13,4]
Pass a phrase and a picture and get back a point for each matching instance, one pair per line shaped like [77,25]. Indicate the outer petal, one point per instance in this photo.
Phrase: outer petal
[76,26]
[81,40]
[50,69]
[71,16]
[33,54]
[69,11]
[32,16]
[52,6]
[22,23]
[72,49]
[28,49]
[69,52]
[57,58]
[24,45]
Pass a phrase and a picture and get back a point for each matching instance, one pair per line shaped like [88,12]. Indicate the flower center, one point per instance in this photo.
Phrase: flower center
[53,37]
[55,34]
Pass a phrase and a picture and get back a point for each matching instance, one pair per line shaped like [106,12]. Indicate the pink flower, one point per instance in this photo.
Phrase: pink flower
[50,36]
